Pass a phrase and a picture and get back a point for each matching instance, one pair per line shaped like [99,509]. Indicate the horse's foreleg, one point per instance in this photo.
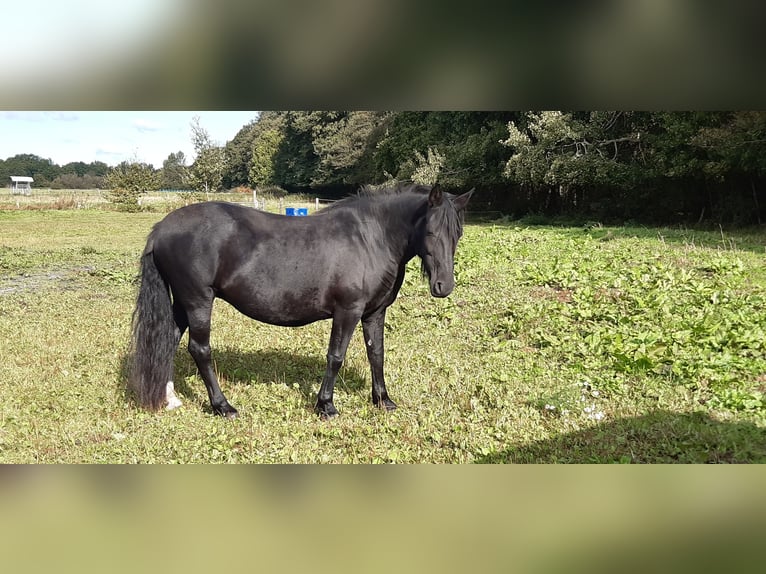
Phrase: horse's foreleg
[343,325]
[373,342]
[199,349]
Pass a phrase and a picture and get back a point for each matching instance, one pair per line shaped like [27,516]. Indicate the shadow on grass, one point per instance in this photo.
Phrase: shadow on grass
[658,437]
[727,238]
[263,367]
[269,366]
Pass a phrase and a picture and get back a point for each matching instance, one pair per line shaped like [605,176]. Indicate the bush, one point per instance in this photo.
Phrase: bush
[124,199]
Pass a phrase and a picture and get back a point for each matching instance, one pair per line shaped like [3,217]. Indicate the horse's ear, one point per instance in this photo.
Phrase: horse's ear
[436,196]
[461,201]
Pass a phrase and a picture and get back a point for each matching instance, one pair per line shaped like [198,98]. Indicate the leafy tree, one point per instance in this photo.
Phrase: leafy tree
[239,153]
[315,148]
[97,168]
[128,181]
[726,158]
[265,147]
[78,168]
[295,162]
[561,149]
[206,173]
[564,160]
[646,165]
[268,134]
[469,141]
[135,176]
[174,171]
[428,167]
[344,143]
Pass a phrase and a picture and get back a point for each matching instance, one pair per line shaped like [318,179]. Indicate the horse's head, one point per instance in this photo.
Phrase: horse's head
[442,228]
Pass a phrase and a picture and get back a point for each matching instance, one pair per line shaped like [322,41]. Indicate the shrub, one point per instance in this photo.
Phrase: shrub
[124,199]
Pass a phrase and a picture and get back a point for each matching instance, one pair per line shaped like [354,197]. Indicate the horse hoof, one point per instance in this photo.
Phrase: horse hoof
[227,411]
[387,404]
[326,412]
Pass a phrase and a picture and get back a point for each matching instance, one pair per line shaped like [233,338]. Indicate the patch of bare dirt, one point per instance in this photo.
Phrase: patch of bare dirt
[31,282]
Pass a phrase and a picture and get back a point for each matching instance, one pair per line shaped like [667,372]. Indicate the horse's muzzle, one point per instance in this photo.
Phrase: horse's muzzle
[442,288]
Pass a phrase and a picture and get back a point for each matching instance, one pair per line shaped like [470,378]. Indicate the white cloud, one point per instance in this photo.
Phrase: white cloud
[109,152]
[144,125]
[63,116]
[39,116]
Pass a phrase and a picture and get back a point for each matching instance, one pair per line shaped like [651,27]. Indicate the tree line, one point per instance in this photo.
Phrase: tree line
[95,175]
[73,175]
[604,165]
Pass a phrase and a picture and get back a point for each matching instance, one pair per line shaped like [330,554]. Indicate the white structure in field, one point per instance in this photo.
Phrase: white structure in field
[21,184]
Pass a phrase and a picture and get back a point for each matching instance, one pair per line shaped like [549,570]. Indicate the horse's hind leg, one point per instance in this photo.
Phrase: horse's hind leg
[182,323]
[343,325]
[199,349]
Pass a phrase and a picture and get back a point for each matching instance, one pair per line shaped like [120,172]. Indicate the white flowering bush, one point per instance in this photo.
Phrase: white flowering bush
[428,167]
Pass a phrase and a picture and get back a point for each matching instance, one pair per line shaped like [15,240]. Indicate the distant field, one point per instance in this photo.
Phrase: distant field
[152,201]
[598,344]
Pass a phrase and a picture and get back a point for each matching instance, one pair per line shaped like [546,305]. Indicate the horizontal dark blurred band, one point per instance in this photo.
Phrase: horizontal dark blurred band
[646,54]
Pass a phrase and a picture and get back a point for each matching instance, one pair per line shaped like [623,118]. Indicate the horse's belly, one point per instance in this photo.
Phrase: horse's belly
[287,309]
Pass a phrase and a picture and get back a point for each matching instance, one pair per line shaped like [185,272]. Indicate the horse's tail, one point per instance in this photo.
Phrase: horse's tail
[153,344]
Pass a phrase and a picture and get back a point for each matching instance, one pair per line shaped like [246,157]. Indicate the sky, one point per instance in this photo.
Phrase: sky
[112,137]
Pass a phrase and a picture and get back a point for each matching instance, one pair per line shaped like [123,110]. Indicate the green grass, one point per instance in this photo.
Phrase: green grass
[595,344]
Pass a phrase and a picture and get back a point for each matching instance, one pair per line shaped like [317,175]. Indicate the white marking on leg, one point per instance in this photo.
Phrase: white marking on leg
[170,395]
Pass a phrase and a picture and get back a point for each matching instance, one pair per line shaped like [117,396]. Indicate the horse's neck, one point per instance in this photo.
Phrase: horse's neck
[402,224]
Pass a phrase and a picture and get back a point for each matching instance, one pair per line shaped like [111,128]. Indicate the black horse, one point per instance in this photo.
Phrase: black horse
[346,262]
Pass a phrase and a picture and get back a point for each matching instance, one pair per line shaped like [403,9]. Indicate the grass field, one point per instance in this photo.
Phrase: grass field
[559,344]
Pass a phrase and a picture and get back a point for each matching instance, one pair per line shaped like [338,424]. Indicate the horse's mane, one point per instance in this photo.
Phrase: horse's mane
[370,195]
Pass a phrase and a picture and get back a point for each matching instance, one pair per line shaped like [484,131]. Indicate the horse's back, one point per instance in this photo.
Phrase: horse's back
[199,217]
[190,243]
[273,268]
